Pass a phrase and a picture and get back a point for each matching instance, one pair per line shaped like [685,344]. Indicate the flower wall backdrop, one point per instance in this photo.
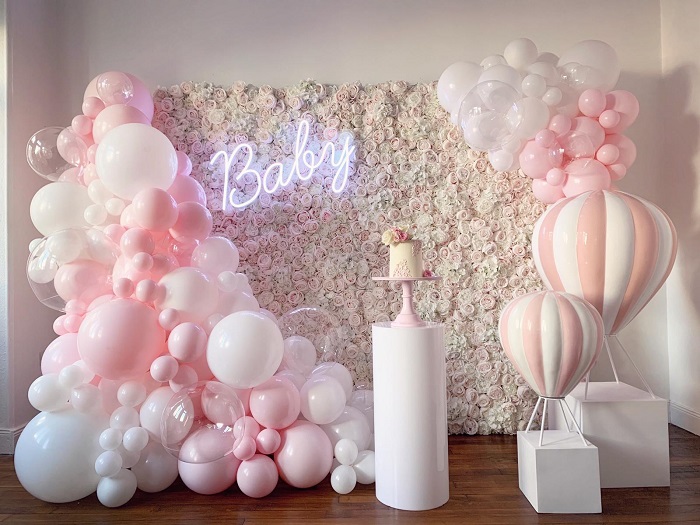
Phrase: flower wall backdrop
[307,246]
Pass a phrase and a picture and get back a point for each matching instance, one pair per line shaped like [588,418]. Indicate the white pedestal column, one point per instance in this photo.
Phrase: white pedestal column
[410,416]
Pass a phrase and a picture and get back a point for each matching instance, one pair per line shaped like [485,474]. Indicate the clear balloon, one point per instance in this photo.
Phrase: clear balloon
[201,416]
[319,326]
[114,87]
[483,114]
[43,155]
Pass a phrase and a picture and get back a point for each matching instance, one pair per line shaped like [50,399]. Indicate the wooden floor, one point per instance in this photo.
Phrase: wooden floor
[484,489]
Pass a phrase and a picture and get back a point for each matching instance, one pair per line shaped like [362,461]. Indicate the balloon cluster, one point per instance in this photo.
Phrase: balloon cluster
[165,364]
[554,117]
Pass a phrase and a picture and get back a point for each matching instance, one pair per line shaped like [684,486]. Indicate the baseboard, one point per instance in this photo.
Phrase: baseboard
[685,417]
[8,439]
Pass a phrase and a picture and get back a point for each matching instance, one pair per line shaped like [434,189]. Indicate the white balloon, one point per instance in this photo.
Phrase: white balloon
[299,354]
[215,255]
[455,82]
[346,451]
[132,157]
[364,467]
[117,490]
[152,410]
[124,418]
[338,371]
[245,349]
[65,245]
[135,439]
[547,71]
[237,301]
[534,85]
[343,479]
[295,377]
[600,63]
[55,455]
[502,73]
[46,394]
[322,399]
[189,291]
[110,439]
[520,53]
[527,117]
[351,424]
[59,206]
[552,96]
[156,469]
[493,60]
[107,464]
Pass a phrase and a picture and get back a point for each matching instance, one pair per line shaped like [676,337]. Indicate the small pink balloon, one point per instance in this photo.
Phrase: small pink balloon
[268,441]
[609,119]
[257,477]
[545,192]
[246,426]
[545,138]
[626,148]
[184,164]
[58,326]
[245,449]
[626,104]
[187,189]
[76,307]
[72,323]
[123,287]
[60,353]
[585,175]
[185,377]
[146,291]
[305,455]
[169,318]
[127,218]
[193,221]
[608,154]
[560,124]
[136,240]
[592,102]
[120,339]
[617,171]
[113,116]
[275,403]
[142,262]
[534,160]
[591,129]
[164,368]
[187,342]
[81,124]
[556,176]
[92,106]
[82,279]
[72,147]
[155,209]
[92,153]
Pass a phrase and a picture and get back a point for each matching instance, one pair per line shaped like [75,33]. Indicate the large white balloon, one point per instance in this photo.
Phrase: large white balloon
[191,292]
[455,82]
[117,490]
[245,349]
[133,157]
[58,206]
[56,453]
[592,64]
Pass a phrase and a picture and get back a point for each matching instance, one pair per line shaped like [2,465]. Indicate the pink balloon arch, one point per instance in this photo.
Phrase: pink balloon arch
[165,365]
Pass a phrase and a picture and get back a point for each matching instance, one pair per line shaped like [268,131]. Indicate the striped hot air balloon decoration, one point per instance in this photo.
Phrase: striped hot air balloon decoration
[612,249]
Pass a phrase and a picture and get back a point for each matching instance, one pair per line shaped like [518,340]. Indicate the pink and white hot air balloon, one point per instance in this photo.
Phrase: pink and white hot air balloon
[612,249]
[553,339]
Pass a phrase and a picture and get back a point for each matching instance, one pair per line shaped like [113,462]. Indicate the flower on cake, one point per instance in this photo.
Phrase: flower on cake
[394,236]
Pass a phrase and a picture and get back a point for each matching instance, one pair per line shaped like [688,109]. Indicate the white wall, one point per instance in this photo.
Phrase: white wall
[680,197]
[35,90]
[281,42]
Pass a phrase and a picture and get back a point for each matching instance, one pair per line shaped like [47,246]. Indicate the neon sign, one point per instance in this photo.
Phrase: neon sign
[278,174]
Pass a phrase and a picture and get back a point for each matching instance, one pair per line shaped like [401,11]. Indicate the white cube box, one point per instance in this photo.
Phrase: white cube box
[562,475]
[630,429]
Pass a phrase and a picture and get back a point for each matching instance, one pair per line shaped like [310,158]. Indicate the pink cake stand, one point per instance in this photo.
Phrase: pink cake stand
[408,317]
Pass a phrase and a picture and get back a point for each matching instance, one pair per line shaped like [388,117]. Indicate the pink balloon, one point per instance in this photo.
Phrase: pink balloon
[187,189]
[82,279]
[592,102]
[585,175]
[164,368]
[187,342]
[268,441]
[184,164]
[607,154]
[553,362]
[617,172]
[141,98]
[612,249]
[245,448]
[627,105]
[113,116]
[626,148]
[154,209]
[258,476]
[305,455]
[556,176]
[92,106]
[201,367]
[120,339]
[609,119]
[82,125]
[275,403]
[535,160]
[584,139]
[546,192]
[136,240]
[545,138]
[193,221]
[246,426]
[209,478]
[60,353]
[560,124]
